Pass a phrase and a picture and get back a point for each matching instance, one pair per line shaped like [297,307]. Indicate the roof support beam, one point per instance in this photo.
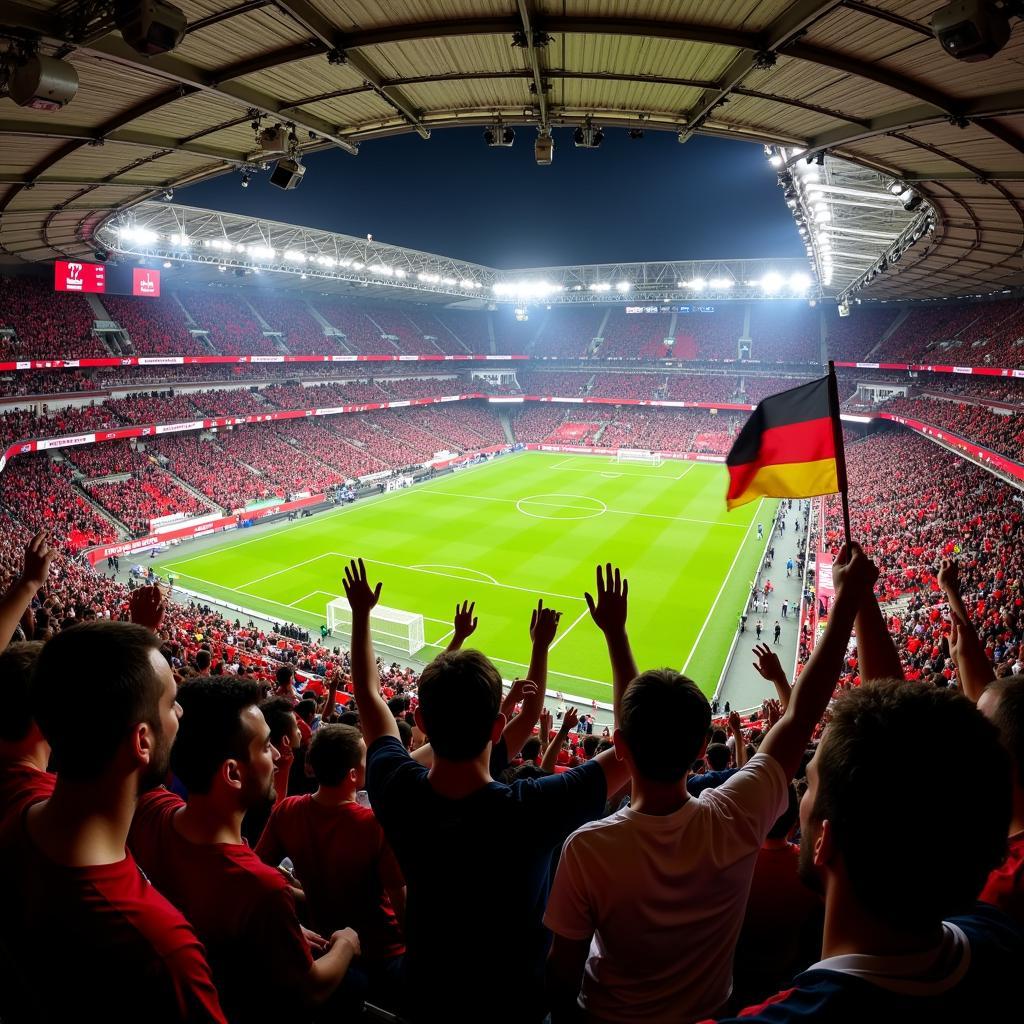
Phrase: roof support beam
[533,60]
[790,26]
[977,110]
[114,49]
[331,38]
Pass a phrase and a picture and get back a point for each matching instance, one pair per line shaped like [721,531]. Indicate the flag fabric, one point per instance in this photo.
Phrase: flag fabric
[786,449]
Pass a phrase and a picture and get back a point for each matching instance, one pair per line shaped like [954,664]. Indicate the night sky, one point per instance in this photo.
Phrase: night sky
[630,200]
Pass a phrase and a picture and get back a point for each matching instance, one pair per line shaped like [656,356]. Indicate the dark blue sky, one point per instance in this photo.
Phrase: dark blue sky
[648,199]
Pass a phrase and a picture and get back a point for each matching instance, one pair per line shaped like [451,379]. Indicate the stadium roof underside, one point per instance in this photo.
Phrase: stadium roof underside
[863,82]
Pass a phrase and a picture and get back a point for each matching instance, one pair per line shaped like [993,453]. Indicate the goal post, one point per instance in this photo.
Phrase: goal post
[391,629]
[638,455]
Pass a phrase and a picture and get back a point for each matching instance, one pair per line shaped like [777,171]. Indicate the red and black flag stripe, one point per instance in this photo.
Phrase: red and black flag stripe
[787,449]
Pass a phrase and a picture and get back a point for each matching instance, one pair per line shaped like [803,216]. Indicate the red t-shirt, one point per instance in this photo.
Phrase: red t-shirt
[241,909]
[344,863]
[95,943]
[20,786]
[1005,886]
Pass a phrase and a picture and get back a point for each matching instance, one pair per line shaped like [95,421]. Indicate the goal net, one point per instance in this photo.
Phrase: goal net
[391,629]
[646,458]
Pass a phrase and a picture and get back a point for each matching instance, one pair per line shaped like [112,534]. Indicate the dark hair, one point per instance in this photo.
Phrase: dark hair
[874,808]
[460,697]
[405,732]
[16,665]
[280,715]
[284,675]
[590,745]
[654,698]
[110,663]
[1008,718]
[203,660]
[334,752]
[531,749]
[305,709]
[717,736]
[785,822]
[717,756]
[211,729]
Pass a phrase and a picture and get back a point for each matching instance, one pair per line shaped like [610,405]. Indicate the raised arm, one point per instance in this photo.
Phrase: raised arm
[543,626]
[973,669]
[569,720]
[854,575]
[17,600]
[464,623]
[375,716]
[876,651]
[736,728]
[768,666]
[609,612]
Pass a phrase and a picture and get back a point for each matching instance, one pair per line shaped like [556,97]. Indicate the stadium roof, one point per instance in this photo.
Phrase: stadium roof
[864,82]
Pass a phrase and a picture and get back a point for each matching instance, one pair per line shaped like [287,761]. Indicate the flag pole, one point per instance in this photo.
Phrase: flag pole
[837,438]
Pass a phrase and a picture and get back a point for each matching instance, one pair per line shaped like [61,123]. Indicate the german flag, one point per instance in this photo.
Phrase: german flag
[787,449]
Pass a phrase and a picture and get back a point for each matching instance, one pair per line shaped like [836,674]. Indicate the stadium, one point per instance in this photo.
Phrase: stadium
[217,414]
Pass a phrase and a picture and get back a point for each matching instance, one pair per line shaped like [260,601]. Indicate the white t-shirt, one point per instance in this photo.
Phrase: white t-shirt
[664,898]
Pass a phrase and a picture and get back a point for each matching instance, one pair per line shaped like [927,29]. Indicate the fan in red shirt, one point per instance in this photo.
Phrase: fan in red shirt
[24,752]
[104,698]
[194,853]
[348,872]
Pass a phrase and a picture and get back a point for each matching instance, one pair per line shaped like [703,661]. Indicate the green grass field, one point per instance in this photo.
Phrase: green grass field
[510,531]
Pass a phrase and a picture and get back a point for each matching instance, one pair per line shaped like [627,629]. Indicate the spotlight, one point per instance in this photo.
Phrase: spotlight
[544,149]
[499,136]
[287,173]
[101,255]
[168,194]
[910,200]
[246,178]
[150,26]
[774,156]
[635,133]
[43,83]
[897,187]
[972,30]
[820,158]
[587,137]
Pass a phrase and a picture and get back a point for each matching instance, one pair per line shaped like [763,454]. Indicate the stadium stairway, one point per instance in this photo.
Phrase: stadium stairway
[886,335]
[506,426]
[194,491]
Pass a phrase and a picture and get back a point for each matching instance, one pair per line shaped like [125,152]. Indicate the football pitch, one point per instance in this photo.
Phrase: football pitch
[510,531]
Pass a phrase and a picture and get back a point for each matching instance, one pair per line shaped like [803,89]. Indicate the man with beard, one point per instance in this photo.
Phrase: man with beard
[900,855]
[104,699]
[242,909]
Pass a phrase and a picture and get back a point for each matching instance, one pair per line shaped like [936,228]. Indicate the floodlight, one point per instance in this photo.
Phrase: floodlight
[150,26]
[973,30]
[771,282]
[799,282]
[720,283]
[696,283]
[910,200]
[43,83]
[287,173]
[622,286]
[544,149]
[774,156]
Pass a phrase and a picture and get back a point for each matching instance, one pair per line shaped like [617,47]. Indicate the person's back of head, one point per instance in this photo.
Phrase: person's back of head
[203,661]
[405,733]
[717,736]
[279,713]
[17,664]
[531,749]
[590,743]
[306,710]
[948,825]
[654,698]
[460,700]
[717,757]
[1003,704]
[787,820]
[337,755]
[219,722]
[284,676]
[93,685]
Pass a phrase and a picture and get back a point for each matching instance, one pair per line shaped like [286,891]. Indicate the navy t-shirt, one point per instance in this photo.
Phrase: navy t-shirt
[696,784]
[477,875]
[973,976]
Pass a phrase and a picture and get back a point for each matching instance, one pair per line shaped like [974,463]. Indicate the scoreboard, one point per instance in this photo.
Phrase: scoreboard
[70,276]
[98,278]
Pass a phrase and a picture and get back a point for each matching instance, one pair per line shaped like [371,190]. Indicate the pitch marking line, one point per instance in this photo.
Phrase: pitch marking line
[572,625]
[312,593]
[271,575]
[487,577]
[612,511]
[533,500]
[721,589]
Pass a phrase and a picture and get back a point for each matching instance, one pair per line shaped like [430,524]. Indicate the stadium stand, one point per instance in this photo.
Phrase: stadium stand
[233,330]
[785,332]
[156,327]
[567,332]
[853,337]
[301,332]
[1002,433]
[635,336]
[145,495]
[45,324]
[204,465]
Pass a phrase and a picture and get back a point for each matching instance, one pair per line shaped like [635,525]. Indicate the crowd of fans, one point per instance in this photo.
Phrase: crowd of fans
[785,332]
[156,326]
[96,460]
[231,327]
[204,465]
[851,338]
[635,335]
[301,332]
[1001,432]
[45,324]
[145,495]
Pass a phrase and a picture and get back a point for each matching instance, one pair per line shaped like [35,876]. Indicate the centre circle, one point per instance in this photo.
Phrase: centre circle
[561,507]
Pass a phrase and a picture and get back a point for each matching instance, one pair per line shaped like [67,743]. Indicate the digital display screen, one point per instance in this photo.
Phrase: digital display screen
[71,276]
[146,282]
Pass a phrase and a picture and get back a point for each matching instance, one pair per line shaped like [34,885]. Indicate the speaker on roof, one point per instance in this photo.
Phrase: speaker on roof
[43,83]
[150,26]
[287,173]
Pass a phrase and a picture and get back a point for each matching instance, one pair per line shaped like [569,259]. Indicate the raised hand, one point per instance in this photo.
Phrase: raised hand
[546,723]
[360,597]
[465,621]
[519,691]
[569,720]
[38,555]
[767,664]
[146,606]
[544,624]
[610,608]
[772,711]
[735,725]
[949,576]
[853,571]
